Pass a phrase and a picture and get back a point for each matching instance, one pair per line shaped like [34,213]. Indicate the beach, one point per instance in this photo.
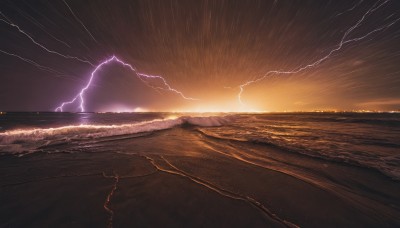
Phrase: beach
[184,176]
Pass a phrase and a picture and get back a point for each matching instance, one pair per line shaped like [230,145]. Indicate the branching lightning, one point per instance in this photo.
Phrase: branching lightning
[81,95]
[163,84]
[9,22]
[338,47]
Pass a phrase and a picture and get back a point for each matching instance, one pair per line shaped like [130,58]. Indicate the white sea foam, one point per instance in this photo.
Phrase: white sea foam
[386,163]
[26,140]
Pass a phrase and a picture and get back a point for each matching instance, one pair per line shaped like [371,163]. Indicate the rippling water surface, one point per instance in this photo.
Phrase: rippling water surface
[305,169]
[365,139]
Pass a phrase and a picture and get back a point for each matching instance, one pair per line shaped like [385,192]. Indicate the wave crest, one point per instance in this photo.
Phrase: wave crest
[28,140]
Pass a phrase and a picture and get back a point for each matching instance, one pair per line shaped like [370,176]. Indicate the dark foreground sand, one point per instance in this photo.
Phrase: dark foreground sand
[190,182]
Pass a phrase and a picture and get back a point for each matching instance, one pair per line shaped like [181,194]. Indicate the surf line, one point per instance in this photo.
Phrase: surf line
[328,186]
[221,191]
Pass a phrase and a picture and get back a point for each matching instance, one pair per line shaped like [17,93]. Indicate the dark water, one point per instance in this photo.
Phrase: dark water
[365,139]
[308,169]
[21,120]
[369,140]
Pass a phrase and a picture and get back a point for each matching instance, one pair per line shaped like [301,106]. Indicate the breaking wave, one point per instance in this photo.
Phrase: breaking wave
[388,165]
[28,140]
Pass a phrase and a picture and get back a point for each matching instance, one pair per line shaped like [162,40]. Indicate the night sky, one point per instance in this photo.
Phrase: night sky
[204,49]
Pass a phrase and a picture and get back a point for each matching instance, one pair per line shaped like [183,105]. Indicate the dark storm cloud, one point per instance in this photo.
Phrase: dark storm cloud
[202,48]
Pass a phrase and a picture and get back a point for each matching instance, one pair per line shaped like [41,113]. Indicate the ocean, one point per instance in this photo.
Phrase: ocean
[170,169]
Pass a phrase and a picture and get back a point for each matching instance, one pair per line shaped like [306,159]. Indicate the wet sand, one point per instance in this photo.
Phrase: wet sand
[175,178]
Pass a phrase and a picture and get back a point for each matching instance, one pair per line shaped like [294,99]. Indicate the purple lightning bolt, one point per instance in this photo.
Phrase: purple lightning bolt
[339,46]
[141,76]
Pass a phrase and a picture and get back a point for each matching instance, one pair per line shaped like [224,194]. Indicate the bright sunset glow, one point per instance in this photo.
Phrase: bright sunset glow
[199,113]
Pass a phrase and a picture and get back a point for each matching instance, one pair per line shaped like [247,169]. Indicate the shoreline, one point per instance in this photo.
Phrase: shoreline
[147,184]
